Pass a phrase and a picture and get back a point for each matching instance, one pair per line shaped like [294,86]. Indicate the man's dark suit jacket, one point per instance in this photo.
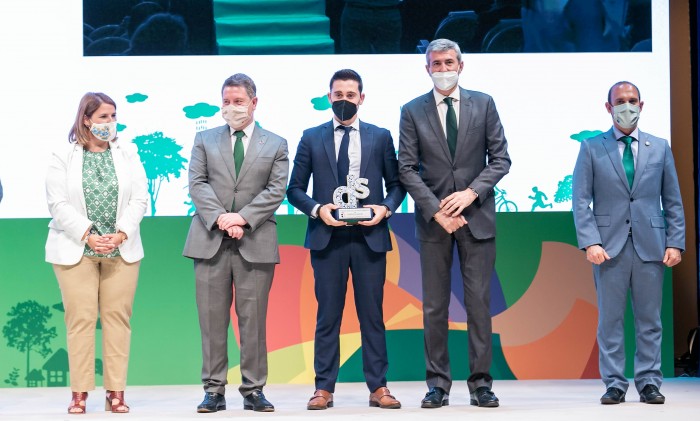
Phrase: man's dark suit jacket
[316,155]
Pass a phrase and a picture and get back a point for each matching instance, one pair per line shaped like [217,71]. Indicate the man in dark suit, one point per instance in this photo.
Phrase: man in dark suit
[635,228]
[238,174]
[330,152]
[452,152]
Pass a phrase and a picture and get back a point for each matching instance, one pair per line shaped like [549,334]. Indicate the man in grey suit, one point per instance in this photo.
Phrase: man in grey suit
[452,152]
[636,226]
[238,175]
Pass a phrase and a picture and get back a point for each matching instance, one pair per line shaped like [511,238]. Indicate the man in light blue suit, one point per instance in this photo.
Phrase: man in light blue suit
[635,228]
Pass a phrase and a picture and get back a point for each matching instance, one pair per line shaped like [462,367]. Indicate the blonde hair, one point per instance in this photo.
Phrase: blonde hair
[89,103]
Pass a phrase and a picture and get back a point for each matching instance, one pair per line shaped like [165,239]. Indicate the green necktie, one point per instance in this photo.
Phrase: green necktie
[628,159]
[451,123]
[238,150]
[237,157]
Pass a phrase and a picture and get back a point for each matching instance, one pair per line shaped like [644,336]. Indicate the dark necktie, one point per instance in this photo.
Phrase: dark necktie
[451,126]
[628,159]
[238,150]
[343,158]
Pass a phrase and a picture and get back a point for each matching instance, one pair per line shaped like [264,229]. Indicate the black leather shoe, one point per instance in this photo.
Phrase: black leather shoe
[435,398]
[612,396]
[212,402]
[256,401]
[483,396]
[651,394]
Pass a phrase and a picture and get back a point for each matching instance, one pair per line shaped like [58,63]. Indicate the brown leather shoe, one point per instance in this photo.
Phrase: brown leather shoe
[383,399]
[322,399]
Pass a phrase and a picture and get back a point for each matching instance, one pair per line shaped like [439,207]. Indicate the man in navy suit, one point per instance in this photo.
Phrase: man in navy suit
[345,146]
[635,228]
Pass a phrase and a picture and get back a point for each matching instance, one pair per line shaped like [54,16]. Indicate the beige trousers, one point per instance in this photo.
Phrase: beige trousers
[106,286]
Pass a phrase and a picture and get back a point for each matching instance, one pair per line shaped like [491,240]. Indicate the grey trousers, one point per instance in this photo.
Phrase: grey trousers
[216,280]
[476,262]
[614,278]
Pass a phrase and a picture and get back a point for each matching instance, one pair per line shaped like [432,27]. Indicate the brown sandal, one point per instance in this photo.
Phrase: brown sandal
[77,403]
[114,402]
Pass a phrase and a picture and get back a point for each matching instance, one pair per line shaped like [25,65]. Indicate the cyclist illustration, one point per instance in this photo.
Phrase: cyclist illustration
[503,204]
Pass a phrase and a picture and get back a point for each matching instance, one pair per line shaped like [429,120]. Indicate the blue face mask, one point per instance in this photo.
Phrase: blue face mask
[344,110]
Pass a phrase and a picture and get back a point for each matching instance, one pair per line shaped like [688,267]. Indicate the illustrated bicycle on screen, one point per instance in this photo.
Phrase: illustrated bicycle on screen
[503,204]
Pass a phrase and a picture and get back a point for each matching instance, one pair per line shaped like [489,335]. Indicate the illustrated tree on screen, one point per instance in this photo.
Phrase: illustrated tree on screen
[564,191]
[161,159]
[13,377]
[564,187]
[26,329]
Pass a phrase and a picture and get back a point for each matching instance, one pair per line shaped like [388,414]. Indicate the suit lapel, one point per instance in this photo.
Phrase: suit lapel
[255,144]
[328,140]
[226,149]
[366,142]
[642,158]
[610,144]
[465,114]
[433,117]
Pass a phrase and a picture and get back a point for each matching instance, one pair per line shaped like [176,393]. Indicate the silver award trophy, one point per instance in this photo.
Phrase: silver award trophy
[345,197]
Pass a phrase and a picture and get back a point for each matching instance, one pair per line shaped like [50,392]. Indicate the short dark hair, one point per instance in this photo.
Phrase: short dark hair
[240,79]
[346,74]
[623,82]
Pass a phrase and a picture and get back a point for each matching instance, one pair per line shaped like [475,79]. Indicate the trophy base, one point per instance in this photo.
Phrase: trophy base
[353,215]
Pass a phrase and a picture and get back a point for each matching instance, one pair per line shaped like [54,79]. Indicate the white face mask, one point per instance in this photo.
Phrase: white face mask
[626,115]
[235,115]
[104,131]
[445,80]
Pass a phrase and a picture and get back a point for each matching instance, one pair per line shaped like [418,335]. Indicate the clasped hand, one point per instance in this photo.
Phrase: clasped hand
[450,214]
[232,223]
[104,244]
[454,204]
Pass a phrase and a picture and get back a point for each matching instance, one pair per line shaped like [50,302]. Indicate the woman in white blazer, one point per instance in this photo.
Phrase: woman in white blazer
[97,194]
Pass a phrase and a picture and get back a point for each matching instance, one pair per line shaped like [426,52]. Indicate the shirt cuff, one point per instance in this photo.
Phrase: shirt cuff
[314,211]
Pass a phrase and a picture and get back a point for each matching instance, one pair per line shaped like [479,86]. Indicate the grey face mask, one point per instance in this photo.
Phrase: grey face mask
[626,115]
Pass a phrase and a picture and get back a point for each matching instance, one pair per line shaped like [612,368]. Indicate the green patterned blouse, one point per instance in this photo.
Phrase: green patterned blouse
[101,190]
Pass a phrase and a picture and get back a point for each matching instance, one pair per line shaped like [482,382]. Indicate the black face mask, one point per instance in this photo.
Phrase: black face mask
[344,110]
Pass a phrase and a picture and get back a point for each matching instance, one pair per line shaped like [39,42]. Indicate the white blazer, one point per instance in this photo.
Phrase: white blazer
[64,194]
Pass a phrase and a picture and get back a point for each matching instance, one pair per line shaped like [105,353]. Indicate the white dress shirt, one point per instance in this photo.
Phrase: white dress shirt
[442,107]
[354,147]
[621,145]
[247,133]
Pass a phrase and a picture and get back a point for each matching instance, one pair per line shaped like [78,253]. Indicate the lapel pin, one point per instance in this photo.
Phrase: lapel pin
[647,143]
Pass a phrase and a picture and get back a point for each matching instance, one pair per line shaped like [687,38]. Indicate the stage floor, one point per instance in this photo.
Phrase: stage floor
[540,400]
